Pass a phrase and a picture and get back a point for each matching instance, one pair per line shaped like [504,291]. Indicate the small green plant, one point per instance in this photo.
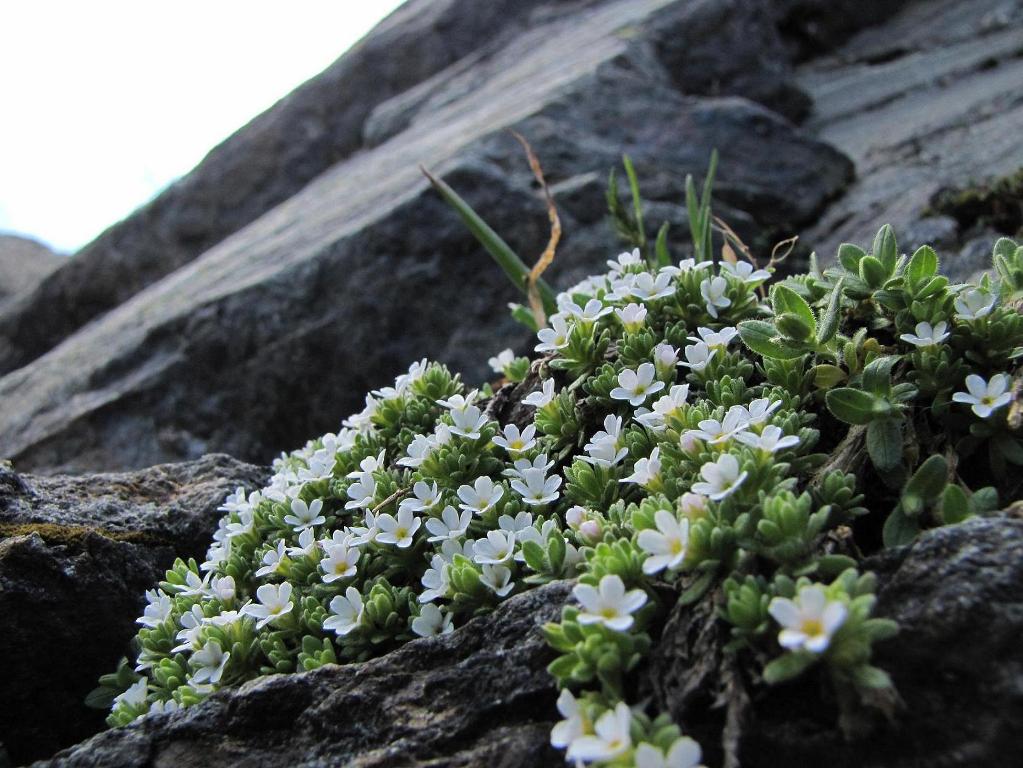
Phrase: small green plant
[672,449]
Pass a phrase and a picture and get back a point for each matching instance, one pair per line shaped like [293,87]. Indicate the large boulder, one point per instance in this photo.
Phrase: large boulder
[481,695]
[76,556]
[271,335]
[24,263]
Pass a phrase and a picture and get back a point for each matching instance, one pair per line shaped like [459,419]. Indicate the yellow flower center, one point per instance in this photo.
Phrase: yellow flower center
[608,613]
[400,533]
[812,627]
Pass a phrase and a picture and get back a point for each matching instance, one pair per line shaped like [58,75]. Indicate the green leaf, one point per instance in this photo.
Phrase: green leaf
[879,629]
[637,203]
[793,326]
[828,325]
[923,265]
[884,443]
[867,676]
[853,406]
[787,667]
[661,247]
[785,300]
[877,375]
[499,250]
[762,338]
[826,376]
[899,529]
[533,554]
[872,272]
[849,256]
[886,250]
[955,506]
[926,485]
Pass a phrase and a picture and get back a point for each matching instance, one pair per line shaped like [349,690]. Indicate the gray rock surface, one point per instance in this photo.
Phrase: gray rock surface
[76,556]
[23,264]
[481,696]
[274,334]
[931,99]
[305,261]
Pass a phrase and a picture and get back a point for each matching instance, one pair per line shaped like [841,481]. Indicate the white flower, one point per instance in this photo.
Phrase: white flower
[514,441]
[973,303]
[665,359]
[646,287]
[593,311]
[504,358]
[535,488]
[690,264]
[697,356]
[432,621]
[759,409]
[521,465]
[136,694]
[459,402]
[722,477]
[345,612]
[275,602]
[684,753]
[610,434]
[542,396]
[986,397]
[625,260]
[664,408]
[610,740]
[418,450]
[210,661]
[436,579]
[468,422]
[521,522]
[222,588]
[573,726]
[646,472]
[273,559]
[191,622]
[713,292]
[666,545]
[771,440]
[365,534]
[810,621]
[605,453]
[743,270]
[633,317]
[362,492]
[306,544]
[339,563]
[926,336]
[450,525]
[716,432]
[398,530]
[483,494]
[636,386]
[235,502]
[498,547]
[305,515]
[716,339]
[158,609]
[609,605]
[319,466]
[424,497]
[497,578]
[163,707]
[555,337]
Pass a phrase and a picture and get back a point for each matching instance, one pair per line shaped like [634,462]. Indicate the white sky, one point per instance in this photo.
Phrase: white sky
[103,103]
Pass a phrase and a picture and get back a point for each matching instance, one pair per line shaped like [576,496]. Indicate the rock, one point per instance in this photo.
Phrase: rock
[76,556]
[957,594]
[928,100]
[478,696]
[481,695]
[260,166]
[23,264]
[264,340]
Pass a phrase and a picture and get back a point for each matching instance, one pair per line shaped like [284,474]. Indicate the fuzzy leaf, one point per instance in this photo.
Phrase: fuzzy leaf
[787,667]
[762,338]
[849,256]
[899,529]
[955,506]
[884,443]
[785,300]
[925,485]
[886,250]
[828,325]
[853,406]
[923,265]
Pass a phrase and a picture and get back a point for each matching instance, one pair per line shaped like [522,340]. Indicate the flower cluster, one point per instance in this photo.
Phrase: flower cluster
[656,453]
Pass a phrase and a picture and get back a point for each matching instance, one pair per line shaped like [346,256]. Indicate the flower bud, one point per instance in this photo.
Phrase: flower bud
[693,505]
[590,531]
[575,517]
[690,445]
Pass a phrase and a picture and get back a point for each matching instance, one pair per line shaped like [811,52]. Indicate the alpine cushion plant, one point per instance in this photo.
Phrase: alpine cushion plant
[653,458]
